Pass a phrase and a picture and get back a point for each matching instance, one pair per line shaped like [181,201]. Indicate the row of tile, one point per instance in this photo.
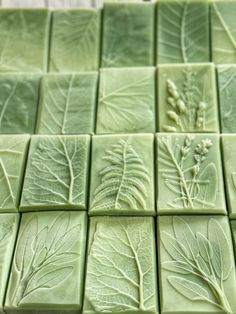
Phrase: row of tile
[128,36]
[186,100]
[122,174]
[196,264]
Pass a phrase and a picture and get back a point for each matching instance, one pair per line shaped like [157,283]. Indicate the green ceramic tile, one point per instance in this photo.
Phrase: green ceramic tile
[189,174]
[56,173]
[128,34]
[126,100]
[48,266]
[13,152]
[227,96]
[18,102]
[67,103]
[122,175]
[233,229]
[183,32]
[8,231]
[196,265]
[24,37]
[223,35]
[75,43]
[121,266]
[187,99]
[229,155]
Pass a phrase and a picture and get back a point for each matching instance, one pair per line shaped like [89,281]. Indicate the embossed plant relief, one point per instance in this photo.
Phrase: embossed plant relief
[123,181]
[121,269]
[186,172]
[188,106]
[44,256]
[200,264]
[5,232]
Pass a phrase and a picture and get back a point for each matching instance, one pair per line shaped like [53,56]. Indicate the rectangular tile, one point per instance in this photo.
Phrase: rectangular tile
[75,41]
[24,38]
[189,174]
[128,34]
[196,265]
[56,173]
[121,266]
[183,32]
[187,98]
[122,175]
[126,100]
[49,255]
[68,103]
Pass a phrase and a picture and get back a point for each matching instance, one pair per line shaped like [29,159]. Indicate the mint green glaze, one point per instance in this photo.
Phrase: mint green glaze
[24,38]
[128,34]
[75,40]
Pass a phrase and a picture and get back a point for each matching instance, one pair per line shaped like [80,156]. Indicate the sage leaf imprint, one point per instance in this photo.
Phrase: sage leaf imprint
[187,173]
[56,171]
[121,269]
[123,181]
[205,258]
[126,101]
[75,43]
[183,32]
[223,32]
[67,103]
[44,256]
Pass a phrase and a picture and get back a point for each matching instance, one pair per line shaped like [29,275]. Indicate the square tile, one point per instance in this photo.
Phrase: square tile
[223,32]
[196,265]
[227,96]
[122,175]
[19,95]
[13,154]
[128,34]
[57,173]
[121,266]
[24,38]
[187,98]
[189,174]
[126,100]
[67,103]
[75,42]
[8,232]
[49,256]
[183,32]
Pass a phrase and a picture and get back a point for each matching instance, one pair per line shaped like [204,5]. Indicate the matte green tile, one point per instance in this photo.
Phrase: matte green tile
[189,174]
[233,229]
[19,95]
[57,173]
[126,100]
[8,231]
[229,155]
[67,103]
[24,37]
[227,97]
[75,42]
[183,32]
[122,175]
[196,265]
[187,99]
[128,34]
[223,37]
[121,266]
[13,152]
[48,266]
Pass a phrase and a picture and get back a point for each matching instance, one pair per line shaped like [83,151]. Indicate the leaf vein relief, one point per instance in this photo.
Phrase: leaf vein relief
[120,272]
[187,173]
[44,256]
[123,181]
[204,258]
